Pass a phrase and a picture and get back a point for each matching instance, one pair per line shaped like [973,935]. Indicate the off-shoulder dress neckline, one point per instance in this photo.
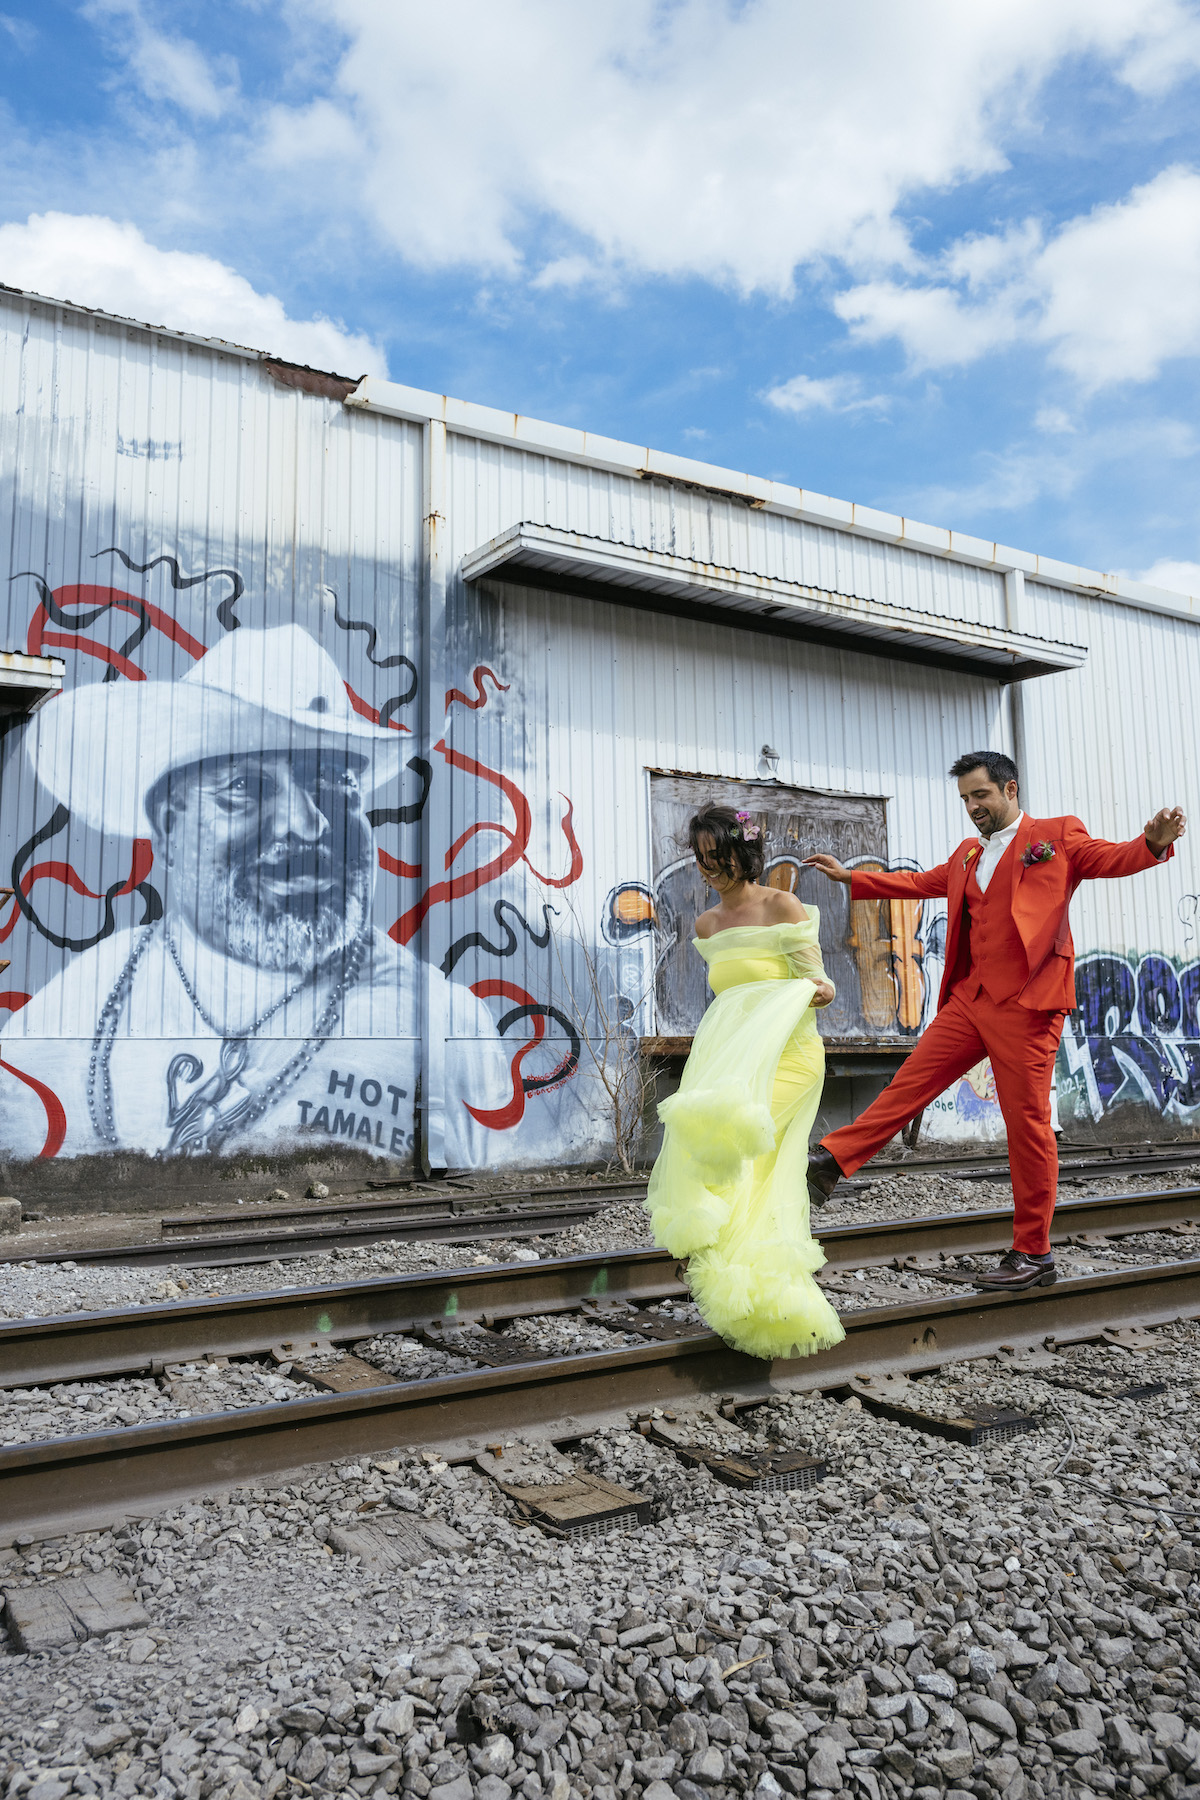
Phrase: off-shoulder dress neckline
[734,937]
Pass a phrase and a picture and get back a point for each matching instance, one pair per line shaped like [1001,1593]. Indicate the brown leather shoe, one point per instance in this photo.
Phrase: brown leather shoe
[1017,1270]
[824,1174]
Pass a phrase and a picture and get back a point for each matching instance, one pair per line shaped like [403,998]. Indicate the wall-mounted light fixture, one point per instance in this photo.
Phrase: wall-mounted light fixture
[768,763]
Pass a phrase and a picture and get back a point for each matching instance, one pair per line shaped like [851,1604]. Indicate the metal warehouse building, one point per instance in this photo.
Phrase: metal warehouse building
[357,824]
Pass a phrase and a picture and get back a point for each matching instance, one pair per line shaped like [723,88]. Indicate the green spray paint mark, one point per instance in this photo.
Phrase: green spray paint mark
[599,1282]
[324,1324]
[451,1307]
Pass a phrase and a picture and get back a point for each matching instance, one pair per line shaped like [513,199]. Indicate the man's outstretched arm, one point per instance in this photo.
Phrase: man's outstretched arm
[884,884]
[1096,860]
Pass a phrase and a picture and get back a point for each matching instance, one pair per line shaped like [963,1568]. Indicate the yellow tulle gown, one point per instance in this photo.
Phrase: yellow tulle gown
[729,1188]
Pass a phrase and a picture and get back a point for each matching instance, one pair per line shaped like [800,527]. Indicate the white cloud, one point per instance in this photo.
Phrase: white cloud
[20,31]
[571,272]
[1022,473]
[1180,577]
[1054,420]
[165,68]
[102,263]
[1112,296]
[939,327]
[730,142]
[831,393]
[1123,284]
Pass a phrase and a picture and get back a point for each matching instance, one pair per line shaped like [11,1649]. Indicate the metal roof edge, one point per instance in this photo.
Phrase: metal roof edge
[223,346]
[568,443]
[620,568]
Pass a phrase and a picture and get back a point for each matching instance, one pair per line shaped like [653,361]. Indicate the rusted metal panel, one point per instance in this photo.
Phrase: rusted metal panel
[27,682]
[794,822]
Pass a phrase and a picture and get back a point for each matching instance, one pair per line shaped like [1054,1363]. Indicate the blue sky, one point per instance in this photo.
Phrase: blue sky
[936,258]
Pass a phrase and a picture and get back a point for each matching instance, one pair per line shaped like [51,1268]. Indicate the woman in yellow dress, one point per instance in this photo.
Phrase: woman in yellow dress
[729,1189]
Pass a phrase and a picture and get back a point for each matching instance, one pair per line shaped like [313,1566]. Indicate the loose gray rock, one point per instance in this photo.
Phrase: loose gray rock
[988,1712]
[1077,1743]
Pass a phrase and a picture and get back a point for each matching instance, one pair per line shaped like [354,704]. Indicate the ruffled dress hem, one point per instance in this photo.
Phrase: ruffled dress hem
[728,1189]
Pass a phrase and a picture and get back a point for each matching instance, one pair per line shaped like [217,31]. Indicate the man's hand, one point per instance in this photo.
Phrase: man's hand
[836,871]
[1162,830]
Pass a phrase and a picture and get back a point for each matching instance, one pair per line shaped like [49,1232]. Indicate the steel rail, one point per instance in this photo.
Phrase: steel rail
[223,1250]
[464,1199]
[454,1201]
[286,1242]
[40,1351]
[72,1483]
[975,1232]
[1124,1159]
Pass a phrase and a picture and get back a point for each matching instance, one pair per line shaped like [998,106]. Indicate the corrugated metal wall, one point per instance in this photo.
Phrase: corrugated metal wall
[1111,742]
[490,483]
[164,501]
[598,694]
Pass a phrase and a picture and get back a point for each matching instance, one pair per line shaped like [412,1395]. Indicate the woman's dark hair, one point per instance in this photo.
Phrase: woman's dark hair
[739,857]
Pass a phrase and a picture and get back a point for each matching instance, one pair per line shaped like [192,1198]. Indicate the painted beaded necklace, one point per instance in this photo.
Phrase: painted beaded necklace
[252,1030]
[197,1123]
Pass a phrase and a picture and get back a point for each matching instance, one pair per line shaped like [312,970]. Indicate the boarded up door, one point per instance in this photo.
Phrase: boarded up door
[856,941]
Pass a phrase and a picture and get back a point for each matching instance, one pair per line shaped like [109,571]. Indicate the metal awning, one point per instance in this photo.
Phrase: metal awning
[599,568]
[27,681]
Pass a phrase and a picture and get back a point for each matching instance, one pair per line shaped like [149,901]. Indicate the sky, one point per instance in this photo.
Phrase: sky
[937,258]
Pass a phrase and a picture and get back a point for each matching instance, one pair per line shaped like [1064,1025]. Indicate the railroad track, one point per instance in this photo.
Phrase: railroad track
[76,1482]
[278,1233]
[39,1351]
[272,1234]
[454,1198]
[1082,1165]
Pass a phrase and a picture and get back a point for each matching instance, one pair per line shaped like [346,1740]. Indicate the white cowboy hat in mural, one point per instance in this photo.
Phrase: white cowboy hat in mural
[102,747]
[265,1005]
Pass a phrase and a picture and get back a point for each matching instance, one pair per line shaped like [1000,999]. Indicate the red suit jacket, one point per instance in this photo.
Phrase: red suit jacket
[1041,897]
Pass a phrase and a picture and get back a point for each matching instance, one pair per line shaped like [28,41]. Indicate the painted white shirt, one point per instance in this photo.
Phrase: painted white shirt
[357,1085]
[993,849]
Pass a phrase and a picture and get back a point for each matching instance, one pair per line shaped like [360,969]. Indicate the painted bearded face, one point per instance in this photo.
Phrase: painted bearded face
[270,858]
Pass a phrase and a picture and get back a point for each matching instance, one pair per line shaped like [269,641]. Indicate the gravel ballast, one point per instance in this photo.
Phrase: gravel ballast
[30,1289]
[931,1620]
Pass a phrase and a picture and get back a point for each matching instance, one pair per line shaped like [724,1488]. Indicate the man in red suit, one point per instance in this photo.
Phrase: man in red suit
[1009,983]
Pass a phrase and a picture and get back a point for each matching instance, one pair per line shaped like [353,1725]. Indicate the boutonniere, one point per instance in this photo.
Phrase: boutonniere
[973,851]
[1038,853]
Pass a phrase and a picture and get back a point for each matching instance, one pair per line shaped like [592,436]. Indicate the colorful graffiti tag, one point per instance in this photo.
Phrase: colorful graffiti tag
[892,940]
[250,976]
[1130,1053]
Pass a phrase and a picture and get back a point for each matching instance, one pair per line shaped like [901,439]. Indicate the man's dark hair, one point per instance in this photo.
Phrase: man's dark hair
[734,855]
[1001,769]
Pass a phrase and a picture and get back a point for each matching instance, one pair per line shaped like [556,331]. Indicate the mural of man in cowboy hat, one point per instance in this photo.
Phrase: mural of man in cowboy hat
[264,1006]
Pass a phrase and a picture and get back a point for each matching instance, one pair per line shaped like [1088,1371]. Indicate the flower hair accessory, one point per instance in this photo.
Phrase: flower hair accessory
[1038,853]
[750,831]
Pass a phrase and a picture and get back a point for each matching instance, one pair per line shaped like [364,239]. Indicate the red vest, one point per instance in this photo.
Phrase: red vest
[998,961]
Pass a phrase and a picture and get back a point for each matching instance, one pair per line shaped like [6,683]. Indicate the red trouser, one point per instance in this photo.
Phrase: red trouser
[1021,1045]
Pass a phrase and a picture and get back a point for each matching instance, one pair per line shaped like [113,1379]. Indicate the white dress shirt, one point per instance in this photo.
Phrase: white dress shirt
[993,849]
